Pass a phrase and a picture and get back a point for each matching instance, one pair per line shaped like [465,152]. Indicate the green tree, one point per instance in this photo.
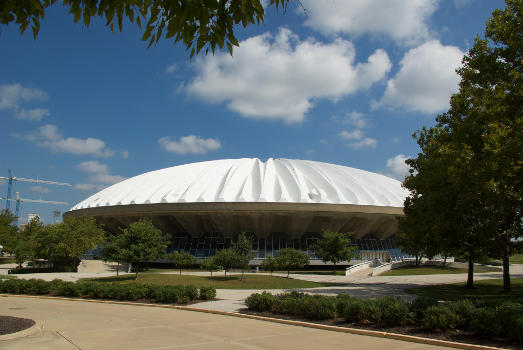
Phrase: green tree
[334,247]
[226,259]
[415,230]
[470,169]
[243,250]
[64,242]
[111,252]
[181,259]
[289,259]
[209,264]
[269,264]
[26,247]
[141,242]
[8,230]
[198,24]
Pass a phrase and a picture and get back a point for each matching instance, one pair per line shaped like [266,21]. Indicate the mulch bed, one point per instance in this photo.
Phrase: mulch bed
[448,335]
[10,324]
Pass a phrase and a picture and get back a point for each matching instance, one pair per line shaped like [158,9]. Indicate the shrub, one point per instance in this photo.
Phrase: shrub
[319,307]
[394,311]
[509,314]
[464,311]
[353,310]
[11,286]
[421,304]
[372,311]
[68,289]
[341,303]
[207,293]
[191,292]
[260,302]
[486,323]
[438,317]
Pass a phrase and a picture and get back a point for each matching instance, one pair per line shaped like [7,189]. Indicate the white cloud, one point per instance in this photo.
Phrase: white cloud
[125,154]
[13,96]
[397,168]
[35,114]
[48,136]
[93,167]
[190,144]
[405,21]
[89,187]
[426,79]
[39,189]
[356,119]
[280,77]
[366,142]
[353,135]
[171,68]
[358,139]
[98,176]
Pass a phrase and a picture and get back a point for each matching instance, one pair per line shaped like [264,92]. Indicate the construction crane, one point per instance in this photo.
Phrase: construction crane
[11,181]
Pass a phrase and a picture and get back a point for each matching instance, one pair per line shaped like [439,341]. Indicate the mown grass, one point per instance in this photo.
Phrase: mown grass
[485,290]
[219,282]
[433,270]
[7,260]
[516,259]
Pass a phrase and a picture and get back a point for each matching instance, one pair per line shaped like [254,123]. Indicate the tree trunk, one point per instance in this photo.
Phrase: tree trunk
[136,267]
[445,261]
[211,273]
[506,273]
[288,273]
[117,268]
[243,271]
[417,260]
[334,268]
[180,270]
[470,277]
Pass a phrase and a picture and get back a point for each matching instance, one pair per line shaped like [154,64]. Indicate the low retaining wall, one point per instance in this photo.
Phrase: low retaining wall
[395,265]
[358,267]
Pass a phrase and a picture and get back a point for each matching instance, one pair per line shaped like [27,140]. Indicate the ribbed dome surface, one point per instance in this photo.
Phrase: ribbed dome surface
[252,180]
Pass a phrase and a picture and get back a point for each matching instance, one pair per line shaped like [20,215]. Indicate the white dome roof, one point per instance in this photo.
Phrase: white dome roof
[251,180]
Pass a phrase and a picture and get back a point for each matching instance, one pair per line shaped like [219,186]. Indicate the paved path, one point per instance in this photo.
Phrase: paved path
[84,325]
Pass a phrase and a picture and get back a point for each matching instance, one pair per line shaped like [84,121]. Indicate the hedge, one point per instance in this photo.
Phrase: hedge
[504,319]
[107,290]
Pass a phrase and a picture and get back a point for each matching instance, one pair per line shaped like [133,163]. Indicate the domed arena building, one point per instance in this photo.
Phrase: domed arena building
[281,203]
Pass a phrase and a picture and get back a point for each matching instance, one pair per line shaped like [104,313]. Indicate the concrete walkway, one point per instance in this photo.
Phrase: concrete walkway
[84,325]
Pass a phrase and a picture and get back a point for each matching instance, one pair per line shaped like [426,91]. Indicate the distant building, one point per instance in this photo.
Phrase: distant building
[281,203]
[31,216]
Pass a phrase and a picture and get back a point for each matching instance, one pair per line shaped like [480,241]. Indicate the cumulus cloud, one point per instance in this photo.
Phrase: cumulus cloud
[357,139]
[426,79]
[89,187]
[171,68]
[98,176]
[13,96]
[404,21]
[353,135]
[125,154]
[280,77]
[39,189]
[190,144]
[48,136]
[396,167]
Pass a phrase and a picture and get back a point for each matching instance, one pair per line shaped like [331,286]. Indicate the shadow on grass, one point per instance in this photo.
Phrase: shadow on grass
[112,279]
[223,278]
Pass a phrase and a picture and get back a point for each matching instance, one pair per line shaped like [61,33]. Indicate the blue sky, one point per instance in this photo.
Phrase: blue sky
[348,83]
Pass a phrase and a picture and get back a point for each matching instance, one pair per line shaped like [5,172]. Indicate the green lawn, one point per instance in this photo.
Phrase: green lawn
[220,282]
[486,290]
[433,270]
[516,259]
[7,260]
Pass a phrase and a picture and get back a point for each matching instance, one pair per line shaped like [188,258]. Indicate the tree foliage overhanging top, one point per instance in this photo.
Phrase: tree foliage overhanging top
[199,24]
